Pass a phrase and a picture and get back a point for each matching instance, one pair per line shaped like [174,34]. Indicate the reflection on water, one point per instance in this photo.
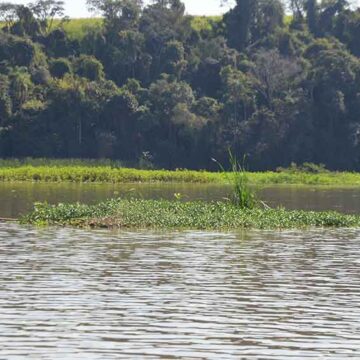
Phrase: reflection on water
[18,198]
[71,294]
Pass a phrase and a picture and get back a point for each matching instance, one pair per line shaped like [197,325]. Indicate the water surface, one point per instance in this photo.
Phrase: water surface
[72,294]
[18,198]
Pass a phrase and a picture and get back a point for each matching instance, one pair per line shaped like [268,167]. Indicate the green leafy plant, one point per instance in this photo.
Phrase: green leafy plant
[194,215]
[307,167]
[178,196]
[243,195]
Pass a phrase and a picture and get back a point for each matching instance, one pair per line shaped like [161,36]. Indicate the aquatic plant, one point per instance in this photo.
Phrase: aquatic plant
[198,215]
[243,195]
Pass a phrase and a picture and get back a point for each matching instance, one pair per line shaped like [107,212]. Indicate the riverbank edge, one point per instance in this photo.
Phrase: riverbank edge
[176,215]
[84,174]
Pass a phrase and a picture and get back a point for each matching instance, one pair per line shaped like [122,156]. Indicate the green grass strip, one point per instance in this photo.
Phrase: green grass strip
[107,174]
[160,214]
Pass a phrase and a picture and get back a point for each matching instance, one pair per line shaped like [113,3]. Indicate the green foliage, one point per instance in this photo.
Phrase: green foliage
[144,214]
[60,67]
[205,23]
[107,171]
[44,162]
[89,67]
[46,11]
[118,15]
[41,76]
[243,196]
[146,78]
[250,21]
[21,87]
[5,99]
[21,52]
[77,28]
[305,168]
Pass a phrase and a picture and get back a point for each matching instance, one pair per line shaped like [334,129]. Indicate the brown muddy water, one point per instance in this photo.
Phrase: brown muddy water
[74,294]
[18,198]
[94,295]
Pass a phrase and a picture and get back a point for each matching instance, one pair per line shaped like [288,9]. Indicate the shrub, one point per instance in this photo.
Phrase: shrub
[90,68]
[60,67]
[41,76]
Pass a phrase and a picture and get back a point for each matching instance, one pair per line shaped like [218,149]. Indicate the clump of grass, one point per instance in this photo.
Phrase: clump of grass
[243,195]
[198,215]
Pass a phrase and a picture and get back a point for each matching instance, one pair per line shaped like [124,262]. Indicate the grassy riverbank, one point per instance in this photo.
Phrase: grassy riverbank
[108,174]
[160,214]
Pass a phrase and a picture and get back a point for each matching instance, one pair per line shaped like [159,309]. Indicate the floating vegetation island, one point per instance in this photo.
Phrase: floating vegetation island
[200,215]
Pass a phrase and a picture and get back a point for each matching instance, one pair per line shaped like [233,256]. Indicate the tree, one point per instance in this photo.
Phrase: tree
[152,79]
[125,58]
[8,14]
[251,20]
[5,100]
[297,7]
[119,14]
[60,67]
[26,23]
[275,75]
[58,44]
[119,119]
[312,15]
[238,23]
[21,51]
[162,22]
[334,79]
[89,67]
[173,58]
[238,94]
[330,9]
[165,96]
[46,11]
[40,76]
[20,87]
[347,30]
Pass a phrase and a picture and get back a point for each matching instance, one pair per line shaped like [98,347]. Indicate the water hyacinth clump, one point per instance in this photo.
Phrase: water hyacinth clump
[197,215]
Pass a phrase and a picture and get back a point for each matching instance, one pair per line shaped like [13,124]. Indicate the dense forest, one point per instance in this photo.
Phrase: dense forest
[277,81]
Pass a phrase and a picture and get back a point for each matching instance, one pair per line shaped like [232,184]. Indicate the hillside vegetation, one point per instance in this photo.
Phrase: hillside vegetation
[150,85]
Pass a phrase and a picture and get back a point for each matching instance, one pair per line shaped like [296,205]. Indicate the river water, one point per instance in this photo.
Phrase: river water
[74,294]
[18,198]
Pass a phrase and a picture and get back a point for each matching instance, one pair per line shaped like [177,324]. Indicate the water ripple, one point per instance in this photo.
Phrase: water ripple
[70,294]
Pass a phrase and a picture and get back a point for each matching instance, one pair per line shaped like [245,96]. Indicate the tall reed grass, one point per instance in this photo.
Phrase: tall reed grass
[243,195]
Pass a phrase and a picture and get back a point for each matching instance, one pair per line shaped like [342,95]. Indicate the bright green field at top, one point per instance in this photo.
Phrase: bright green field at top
[77,28]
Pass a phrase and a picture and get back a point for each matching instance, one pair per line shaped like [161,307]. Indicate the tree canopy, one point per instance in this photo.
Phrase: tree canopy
[278,81]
